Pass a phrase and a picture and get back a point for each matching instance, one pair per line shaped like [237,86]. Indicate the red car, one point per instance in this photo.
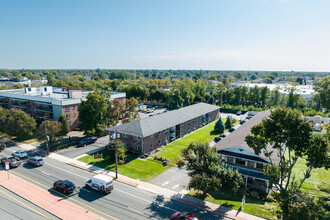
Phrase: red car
[184,216]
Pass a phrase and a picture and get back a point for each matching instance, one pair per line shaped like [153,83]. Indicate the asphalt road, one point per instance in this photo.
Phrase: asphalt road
[13,207]
[125,202]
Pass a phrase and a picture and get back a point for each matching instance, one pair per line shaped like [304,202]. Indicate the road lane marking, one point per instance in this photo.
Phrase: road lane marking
[167,182]
[45,173]
[176,186]
[24,205]
[46,187]
[48,164]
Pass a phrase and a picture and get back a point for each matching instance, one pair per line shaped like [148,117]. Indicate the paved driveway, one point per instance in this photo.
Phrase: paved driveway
[174,178]
[73,152]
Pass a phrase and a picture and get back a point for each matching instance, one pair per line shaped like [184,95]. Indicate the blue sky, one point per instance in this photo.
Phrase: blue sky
[166,34]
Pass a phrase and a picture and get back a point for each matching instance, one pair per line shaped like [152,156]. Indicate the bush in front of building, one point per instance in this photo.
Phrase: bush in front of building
[254,194]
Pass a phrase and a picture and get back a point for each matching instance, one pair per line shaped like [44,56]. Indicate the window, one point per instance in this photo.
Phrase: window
[152,136]
[159,133]
[189,129]
[159,142]
[166,130]
[29,89]
[260,165]
[136,147]
[68,116]
[240,161]
[189,122]
[136,138]
[151,146]
[74,115]
[69,123]
[124,135]
[45,89]
[126,145]
[67,109]
[194,127]
[73,107]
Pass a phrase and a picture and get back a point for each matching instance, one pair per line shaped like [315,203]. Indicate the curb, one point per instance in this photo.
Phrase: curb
[31,202]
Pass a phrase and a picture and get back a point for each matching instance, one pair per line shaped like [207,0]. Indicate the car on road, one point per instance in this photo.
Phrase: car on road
[35,161]
[101,183]
[64,185]
[20,154]
[86,141]
[13,162]
[238,113]
[231,129]
[184,216]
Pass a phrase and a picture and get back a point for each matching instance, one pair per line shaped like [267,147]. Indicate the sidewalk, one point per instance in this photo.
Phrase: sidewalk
[231,213]
[44,199]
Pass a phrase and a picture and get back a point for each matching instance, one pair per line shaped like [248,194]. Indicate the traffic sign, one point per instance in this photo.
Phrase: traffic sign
[7,165]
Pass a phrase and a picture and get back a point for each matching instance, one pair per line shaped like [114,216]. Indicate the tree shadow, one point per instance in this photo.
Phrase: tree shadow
[214,132]
[163,208]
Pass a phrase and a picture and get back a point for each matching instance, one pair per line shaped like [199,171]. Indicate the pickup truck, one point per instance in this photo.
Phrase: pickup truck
[13,162]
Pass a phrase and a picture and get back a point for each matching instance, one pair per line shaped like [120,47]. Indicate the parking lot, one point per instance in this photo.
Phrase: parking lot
[155,112]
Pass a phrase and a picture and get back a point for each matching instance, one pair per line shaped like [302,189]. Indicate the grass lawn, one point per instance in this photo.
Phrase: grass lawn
[172,151]
[32,140]
[144,170]
[318,176]
[233,200]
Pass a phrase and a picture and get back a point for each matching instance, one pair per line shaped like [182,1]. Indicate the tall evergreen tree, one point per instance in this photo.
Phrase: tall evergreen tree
[228,122]
[219,126]
[64,125]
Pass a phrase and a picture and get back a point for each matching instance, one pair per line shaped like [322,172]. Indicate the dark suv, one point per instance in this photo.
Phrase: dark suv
[64,185]
[86,141]
[35,161]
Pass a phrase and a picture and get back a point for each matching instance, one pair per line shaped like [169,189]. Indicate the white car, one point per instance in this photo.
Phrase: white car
[20,154]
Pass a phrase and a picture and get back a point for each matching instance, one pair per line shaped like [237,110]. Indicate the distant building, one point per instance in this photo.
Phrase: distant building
[148,134]
[49,103]
[237,154]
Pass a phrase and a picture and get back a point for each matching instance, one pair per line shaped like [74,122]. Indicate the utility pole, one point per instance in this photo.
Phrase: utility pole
[116,155]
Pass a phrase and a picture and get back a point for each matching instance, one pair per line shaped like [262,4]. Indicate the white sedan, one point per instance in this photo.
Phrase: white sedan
[20,154]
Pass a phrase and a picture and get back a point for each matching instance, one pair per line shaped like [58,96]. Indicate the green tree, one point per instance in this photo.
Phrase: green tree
[219,126]
[114,112]
[322,87]
[131,108]
[53,129]
[111,147]
[286,130]
[18,123]
[228,123]
[92,114]
[206,172]
[64,126]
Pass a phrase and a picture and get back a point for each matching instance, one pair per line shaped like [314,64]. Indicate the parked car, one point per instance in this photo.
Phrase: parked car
[217,139]
[242,121]
[184,216]
[238,113]
[231,129]
[86,141]
[223,135]
[150,110]
[35,161]
[13,162]
[101,183]
[64,185]
[249,117]
[20,154]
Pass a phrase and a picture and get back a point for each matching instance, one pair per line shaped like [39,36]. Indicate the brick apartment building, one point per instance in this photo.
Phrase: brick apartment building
[49,103]
[237,154]
[148,134]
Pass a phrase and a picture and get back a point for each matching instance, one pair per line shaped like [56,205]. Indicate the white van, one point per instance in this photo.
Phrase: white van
[100,183]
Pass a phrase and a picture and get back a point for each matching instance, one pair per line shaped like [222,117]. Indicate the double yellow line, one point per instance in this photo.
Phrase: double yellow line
[46,187]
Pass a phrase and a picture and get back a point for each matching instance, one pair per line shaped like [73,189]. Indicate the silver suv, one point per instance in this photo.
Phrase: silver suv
[35,161]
